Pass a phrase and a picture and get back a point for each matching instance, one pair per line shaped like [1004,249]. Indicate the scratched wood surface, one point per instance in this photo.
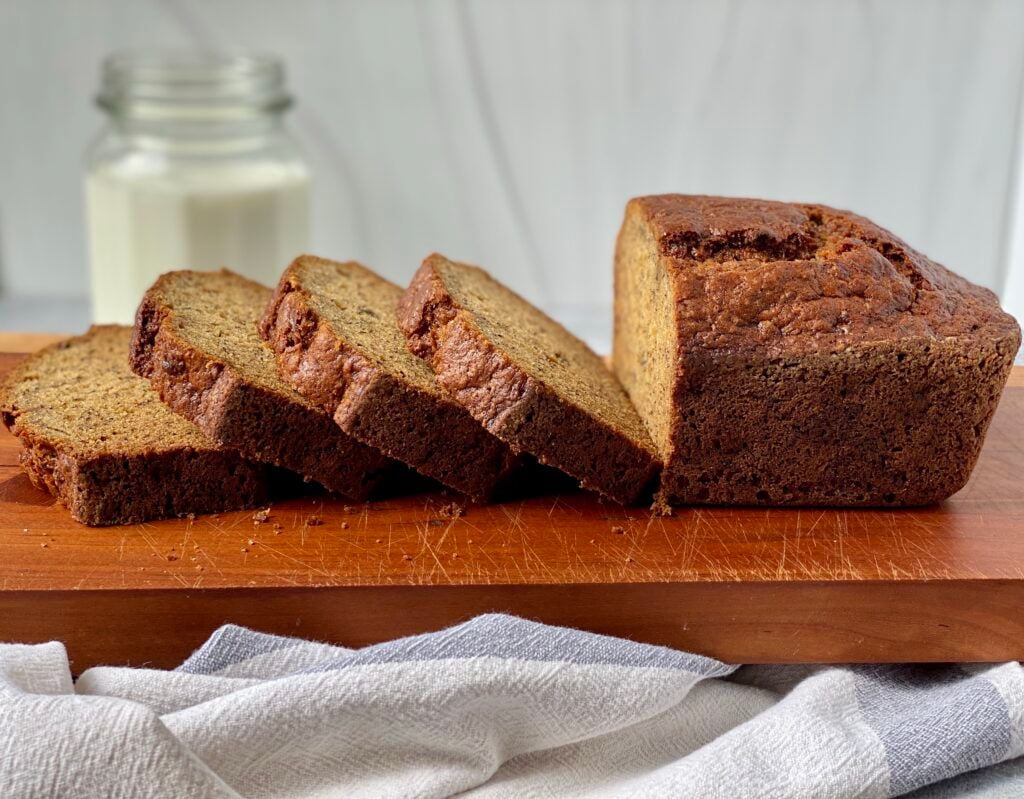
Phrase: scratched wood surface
[741,584]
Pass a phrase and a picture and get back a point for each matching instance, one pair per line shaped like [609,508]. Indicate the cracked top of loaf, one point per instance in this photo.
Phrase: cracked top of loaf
[796,278]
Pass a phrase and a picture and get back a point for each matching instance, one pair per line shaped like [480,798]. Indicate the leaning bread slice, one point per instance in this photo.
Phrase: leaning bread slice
[196,339]
[333,327]
[99,439]
[526,378]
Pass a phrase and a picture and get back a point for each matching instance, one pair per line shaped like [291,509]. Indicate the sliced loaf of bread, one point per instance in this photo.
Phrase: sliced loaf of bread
[795,354]
[99,439]
[196,339]
[526,378]
[334,330]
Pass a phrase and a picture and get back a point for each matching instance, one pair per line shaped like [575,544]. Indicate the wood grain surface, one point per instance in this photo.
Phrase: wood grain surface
[740,584]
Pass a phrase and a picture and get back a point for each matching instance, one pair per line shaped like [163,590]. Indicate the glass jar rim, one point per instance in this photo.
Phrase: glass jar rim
[192,81]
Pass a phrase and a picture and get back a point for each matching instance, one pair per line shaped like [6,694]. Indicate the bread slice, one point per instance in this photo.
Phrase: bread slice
[786,354]
[99,439]
[196,339]
[333,327]
[526,378]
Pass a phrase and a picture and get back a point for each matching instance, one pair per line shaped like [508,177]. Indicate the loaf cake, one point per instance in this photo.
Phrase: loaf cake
[333,328]
[196,340]
[99,439]
[526,378]
[786,354]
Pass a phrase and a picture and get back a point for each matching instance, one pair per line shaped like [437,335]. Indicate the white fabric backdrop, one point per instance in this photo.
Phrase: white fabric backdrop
[511,134]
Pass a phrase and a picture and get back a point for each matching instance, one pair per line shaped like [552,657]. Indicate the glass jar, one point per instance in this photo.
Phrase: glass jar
[194,170]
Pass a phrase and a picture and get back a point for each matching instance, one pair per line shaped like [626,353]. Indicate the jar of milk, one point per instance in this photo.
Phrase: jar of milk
[194,170]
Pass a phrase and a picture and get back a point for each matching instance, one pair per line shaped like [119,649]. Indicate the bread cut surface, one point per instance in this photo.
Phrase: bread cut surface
[796,354]
[98,438]
[334,329]
[526,378]
[196,338]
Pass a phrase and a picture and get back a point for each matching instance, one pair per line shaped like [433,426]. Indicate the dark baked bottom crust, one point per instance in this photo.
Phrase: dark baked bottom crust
[888,425]
[258,422]
[116,489]
[437,438]
[510,404]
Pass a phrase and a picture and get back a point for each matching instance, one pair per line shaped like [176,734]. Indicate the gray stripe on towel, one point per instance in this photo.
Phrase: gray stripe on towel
[934,721]
[230,645]
[497,635]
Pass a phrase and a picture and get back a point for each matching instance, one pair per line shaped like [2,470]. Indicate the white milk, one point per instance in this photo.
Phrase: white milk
[250,217]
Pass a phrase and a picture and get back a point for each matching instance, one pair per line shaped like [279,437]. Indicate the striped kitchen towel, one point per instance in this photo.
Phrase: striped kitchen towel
[501,707]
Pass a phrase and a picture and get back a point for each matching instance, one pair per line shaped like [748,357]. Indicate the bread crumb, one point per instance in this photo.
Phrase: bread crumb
[261,516]
[245,549]
[453,510]
[172,556]
[44,545]
[314,521]
[660,507]
[250,542]
[619,530]
[344,525]
[406,557]
[379,541]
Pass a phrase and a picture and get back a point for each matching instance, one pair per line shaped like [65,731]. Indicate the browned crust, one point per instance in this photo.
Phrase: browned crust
[433,435]
[510,403]
[237,413]
[785,279]
[103,489]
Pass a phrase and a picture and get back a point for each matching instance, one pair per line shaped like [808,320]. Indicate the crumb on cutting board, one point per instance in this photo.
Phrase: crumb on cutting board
[453,510]
[660,507]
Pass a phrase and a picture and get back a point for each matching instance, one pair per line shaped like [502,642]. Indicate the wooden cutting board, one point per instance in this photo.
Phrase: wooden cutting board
[741,584]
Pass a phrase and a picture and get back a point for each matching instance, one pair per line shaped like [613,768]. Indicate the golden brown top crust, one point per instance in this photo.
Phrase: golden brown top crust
[797,278]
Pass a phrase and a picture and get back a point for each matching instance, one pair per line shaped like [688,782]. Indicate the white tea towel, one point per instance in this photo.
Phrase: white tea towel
[501,707]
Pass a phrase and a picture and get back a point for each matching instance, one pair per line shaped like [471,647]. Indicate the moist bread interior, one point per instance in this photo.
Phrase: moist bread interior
[544,349]
[82,395]
[217,313]
[359,307]
[645,330]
